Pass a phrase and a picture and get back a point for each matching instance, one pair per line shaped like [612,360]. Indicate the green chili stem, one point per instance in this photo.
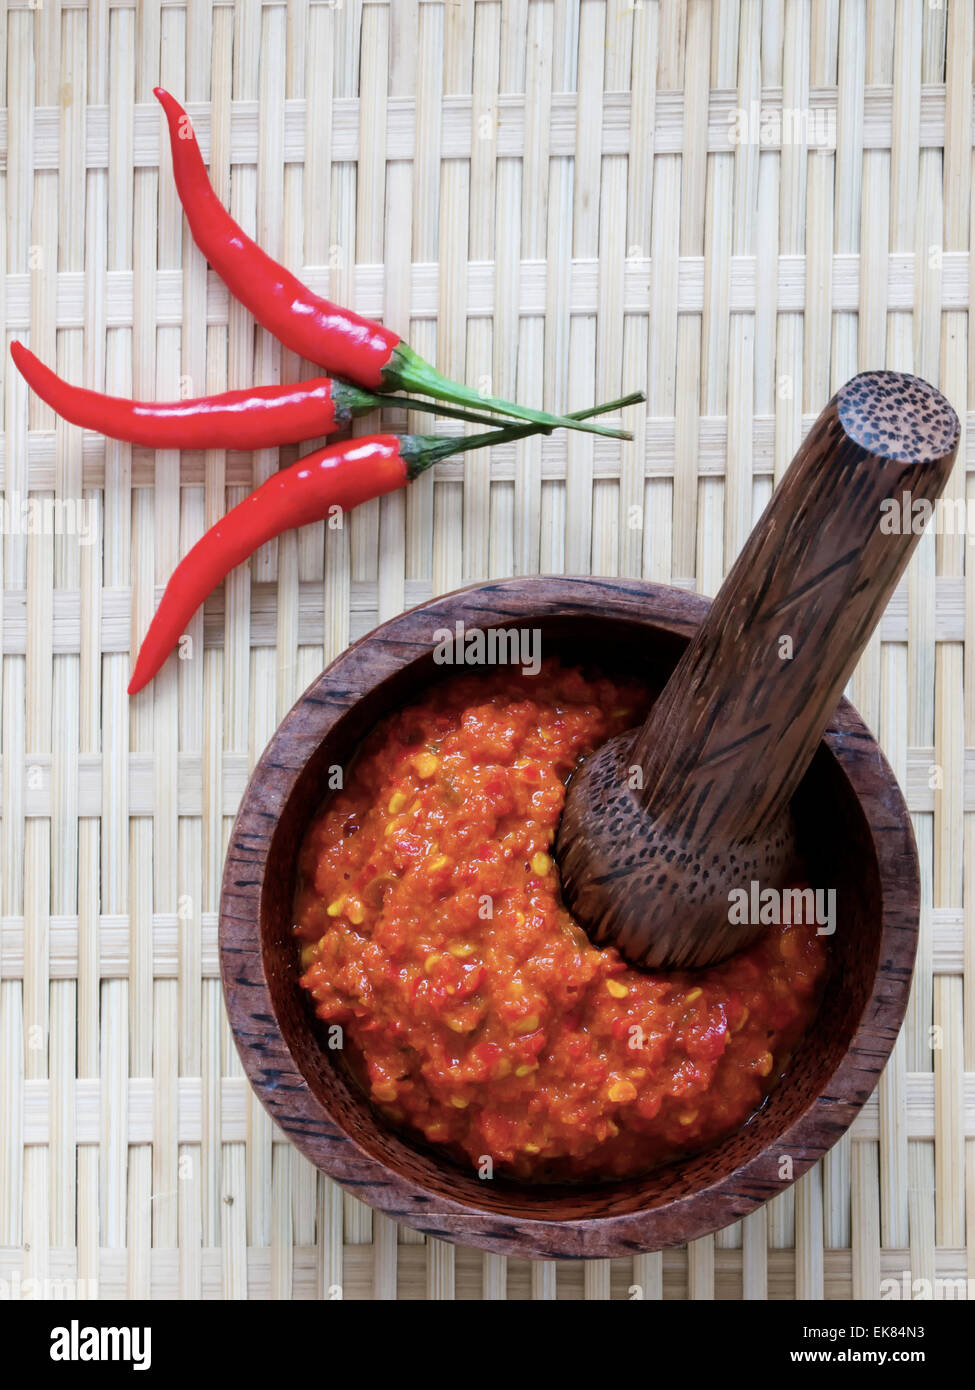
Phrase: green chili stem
[419,451]
[407,371]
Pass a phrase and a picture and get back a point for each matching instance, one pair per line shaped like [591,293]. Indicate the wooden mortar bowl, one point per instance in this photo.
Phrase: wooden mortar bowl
[856,836]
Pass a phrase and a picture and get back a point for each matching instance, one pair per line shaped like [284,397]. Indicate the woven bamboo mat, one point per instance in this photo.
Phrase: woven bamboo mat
[734,205]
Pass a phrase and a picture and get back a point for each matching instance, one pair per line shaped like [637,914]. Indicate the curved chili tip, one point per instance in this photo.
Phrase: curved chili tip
[21,354]
[167,101]
[39,377]
[139,680]
[178,120]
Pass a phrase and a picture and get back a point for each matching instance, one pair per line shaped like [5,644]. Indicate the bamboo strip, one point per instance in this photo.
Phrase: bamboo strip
[865,1214]
[544,1280]
[195,1115]
[596,1280]
[810,1259]
[219,680]
[647,1277]
[948,51]
[359,1260]
[384,1243]
[754,1255]
[700,1268]
[476,292]
[721,111]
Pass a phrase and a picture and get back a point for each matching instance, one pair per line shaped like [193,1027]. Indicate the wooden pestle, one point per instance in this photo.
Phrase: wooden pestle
[663,822]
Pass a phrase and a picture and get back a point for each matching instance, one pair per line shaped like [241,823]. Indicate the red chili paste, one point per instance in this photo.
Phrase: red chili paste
[478,1012]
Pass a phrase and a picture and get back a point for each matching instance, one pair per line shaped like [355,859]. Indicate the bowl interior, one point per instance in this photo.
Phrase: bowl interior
[839,851]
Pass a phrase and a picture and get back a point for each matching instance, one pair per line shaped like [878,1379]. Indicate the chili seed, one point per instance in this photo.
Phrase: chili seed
[426,764]
[622,1090]
[617,990]
[527,1025]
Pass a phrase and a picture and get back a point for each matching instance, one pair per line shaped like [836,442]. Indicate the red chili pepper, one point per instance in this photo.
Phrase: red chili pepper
[340,475]
[336,338]
[257,417]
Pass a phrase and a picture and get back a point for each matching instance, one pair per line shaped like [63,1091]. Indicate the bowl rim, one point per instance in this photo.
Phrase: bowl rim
[291,1101]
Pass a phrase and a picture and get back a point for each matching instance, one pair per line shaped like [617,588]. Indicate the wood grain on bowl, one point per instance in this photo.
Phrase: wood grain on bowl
[854,832]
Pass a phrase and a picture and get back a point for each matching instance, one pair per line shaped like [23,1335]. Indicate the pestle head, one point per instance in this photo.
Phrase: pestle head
[675,911]
[897,417]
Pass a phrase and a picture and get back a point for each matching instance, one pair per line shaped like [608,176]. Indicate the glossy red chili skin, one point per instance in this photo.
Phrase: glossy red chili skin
[340,475]
[337,339]
[257,417]
[342,341]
